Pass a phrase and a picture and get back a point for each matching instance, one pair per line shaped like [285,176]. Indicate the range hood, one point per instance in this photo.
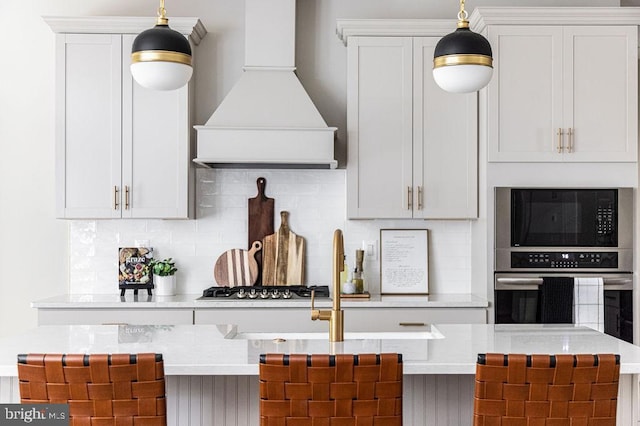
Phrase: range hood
[267,120]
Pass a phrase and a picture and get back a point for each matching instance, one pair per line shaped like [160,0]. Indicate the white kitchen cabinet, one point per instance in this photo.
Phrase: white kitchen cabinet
[410,319]
[122,151]
[83,316]
[565,93]
[355,319]
[285,320]
[412,147]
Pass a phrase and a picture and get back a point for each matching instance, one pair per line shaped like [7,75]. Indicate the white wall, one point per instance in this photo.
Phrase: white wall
[34,246]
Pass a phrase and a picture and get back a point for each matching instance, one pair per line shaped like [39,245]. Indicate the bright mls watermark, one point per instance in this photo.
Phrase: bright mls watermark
[34,414]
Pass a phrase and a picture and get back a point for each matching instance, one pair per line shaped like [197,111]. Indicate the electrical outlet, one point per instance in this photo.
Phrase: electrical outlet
[370,249]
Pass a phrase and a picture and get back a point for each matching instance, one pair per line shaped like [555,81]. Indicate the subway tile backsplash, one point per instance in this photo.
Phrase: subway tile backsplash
[316,201]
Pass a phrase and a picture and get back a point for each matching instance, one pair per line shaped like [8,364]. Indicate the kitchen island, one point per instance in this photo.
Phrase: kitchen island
[212,369]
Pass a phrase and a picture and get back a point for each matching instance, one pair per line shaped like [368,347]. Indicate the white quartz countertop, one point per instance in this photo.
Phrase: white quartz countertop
[192,301]
[223,350]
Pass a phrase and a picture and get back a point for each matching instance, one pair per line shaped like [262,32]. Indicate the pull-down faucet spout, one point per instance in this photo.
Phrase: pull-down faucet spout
[336,315]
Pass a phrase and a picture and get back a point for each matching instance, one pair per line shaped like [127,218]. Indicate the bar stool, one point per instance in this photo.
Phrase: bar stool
[516,389]
[99,388]
[341,389]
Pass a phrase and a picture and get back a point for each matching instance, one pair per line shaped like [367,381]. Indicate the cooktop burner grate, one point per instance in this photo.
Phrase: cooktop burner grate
[266,292]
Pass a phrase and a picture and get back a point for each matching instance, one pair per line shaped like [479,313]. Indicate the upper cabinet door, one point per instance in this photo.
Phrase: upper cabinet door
[88,125]
[525,95]
[379,130]
[601,104]
[555,97]
[156,157]
[445,143]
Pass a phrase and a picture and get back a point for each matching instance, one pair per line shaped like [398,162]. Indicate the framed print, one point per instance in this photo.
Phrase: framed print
[404,261]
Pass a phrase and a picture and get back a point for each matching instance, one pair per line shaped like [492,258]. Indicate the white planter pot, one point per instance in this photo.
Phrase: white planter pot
[165,286]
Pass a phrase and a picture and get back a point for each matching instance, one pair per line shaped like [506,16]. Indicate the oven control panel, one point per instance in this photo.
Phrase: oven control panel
[573,259]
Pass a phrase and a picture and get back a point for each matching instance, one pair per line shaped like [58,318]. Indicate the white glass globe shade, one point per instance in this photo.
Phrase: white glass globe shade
[462,78]
[161,75]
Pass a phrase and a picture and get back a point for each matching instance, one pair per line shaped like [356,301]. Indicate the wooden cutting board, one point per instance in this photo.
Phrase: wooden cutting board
[237,267]
[283,256]
[261,210]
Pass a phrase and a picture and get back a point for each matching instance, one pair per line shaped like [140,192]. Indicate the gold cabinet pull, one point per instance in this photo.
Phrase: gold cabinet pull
[116,192]
[570,134]
[412,324]
[126,197]
[560,133]
[420,197]
[409,197]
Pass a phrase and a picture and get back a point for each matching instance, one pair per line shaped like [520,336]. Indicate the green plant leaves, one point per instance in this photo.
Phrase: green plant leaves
[163,268]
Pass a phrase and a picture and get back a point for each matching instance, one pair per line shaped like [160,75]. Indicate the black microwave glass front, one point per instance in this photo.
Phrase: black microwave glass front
[564,217]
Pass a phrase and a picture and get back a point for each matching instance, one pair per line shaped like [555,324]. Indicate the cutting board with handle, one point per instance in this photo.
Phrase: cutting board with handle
[260,221]
[237,267]
[283,256]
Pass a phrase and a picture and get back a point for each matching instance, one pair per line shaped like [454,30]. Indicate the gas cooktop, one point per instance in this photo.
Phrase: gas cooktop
[276,292]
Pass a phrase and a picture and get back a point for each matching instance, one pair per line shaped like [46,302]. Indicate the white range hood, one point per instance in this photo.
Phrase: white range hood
[267,119]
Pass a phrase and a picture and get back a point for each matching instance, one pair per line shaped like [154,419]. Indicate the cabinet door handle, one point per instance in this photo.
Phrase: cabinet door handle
[570,134]
[116,192]
[126,197]
[412,324]
[409,197]
[420,198]
[560,133]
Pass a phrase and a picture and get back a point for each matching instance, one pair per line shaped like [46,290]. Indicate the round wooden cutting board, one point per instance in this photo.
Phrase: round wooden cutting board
[237,267]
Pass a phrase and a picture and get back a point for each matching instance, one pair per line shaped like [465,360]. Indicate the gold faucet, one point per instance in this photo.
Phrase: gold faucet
[336,315]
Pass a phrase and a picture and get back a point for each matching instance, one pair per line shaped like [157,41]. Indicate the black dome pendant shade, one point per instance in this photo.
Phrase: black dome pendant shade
[462,60]
[161,42]
[160,56]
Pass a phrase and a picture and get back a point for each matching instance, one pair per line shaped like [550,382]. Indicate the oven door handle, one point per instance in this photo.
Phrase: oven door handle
[511,283]
[618,283]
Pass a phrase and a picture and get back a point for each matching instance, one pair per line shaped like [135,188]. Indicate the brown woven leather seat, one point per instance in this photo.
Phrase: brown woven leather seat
[300,389]
[558,390]
[118,389]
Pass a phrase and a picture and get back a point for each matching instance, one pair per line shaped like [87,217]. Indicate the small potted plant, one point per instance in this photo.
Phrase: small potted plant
[164,278]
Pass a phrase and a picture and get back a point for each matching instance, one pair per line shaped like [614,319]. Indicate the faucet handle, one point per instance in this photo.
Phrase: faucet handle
[315,313]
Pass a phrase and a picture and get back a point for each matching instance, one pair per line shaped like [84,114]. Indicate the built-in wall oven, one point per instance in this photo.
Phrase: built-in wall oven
[565,255]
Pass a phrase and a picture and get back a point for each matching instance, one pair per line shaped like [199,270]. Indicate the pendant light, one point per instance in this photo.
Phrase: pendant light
[462,61]
[161,57]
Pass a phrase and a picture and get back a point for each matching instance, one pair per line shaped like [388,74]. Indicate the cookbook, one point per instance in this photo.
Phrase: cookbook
[134,267]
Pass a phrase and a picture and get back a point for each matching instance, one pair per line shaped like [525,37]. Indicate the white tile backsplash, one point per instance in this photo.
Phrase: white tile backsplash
[316,200]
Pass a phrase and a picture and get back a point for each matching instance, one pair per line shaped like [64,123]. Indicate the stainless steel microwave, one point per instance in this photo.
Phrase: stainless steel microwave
[589,229]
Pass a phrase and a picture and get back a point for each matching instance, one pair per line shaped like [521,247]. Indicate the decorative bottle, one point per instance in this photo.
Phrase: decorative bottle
[358,272]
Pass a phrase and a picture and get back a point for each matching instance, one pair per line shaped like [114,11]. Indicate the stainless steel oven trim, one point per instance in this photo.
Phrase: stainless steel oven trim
[528,281]
[503,211]
[625,259]
[502,243]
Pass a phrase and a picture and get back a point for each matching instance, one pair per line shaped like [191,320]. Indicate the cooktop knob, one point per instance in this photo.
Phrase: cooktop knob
[241,294]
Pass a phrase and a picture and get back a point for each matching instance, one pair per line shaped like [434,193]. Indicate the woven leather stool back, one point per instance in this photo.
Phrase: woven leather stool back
[558,390]
[337,390]
[119,389]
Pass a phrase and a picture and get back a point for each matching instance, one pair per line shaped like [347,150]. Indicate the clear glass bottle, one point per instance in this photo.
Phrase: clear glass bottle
[344,275]
[358,281]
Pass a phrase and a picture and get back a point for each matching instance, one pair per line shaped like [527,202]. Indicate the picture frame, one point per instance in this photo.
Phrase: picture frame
[404,261]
